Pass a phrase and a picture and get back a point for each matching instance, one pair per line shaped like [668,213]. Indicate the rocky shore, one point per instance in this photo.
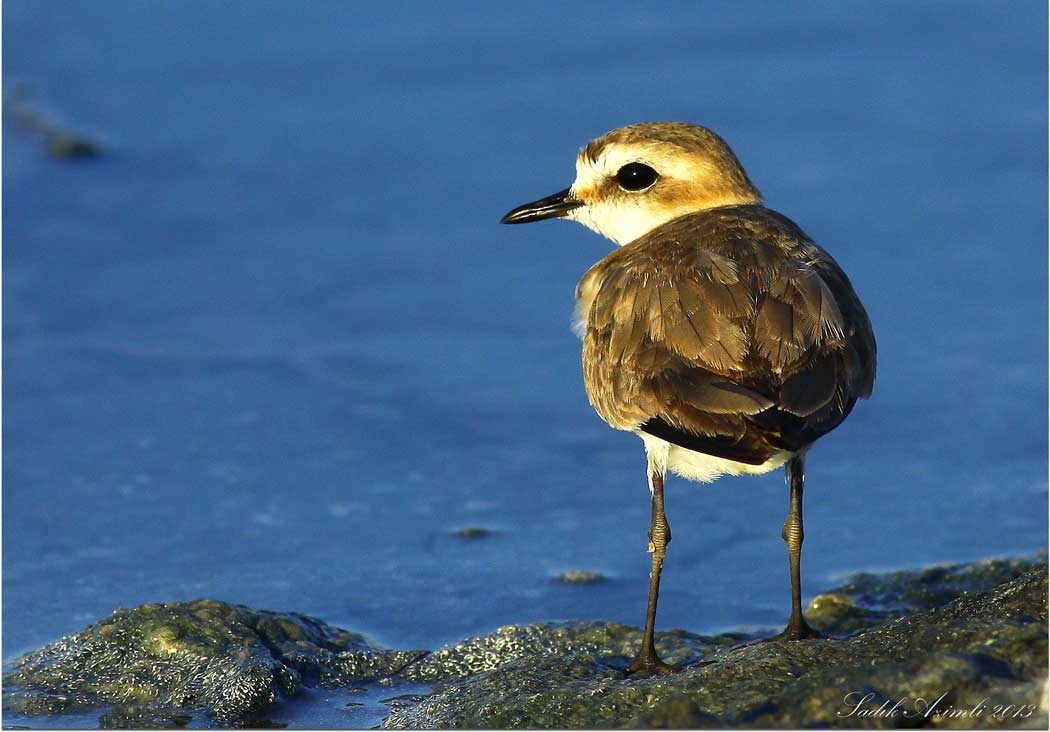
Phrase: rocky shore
[948,646]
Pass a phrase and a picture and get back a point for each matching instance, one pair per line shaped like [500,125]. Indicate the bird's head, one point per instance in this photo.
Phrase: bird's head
[638,177]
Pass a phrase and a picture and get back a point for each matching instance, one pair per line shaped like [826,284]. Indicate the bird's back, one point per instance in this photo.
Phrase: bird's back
[727,332]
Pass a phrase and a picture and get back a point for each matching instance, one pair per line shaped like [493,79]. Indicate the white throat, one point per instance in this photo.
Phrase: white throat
[622,220]
[623,224]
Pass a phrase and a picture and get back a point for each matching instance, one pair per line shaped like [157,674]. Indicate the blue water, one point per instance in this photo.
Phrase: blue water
[274,348]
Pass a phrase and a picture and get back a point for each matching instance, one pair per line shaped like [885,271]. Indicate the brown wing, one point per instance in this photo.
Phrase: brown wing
[727,332]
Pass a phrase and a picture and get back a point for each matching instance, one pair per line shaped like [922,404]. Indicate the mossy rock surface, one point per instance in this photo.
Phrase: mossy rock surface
[979,645]
[60,143]
[227,660]
[960,636]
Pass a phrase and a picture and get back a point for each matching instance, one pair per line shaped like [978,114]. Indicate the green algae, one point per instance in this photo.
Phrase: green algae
[967,641]
[60,143]
[226,660]
[980,645]
[581,577]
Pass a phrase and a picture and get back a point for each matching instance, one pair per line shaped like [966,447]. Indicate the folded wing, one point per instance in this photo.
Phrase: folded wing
[725,336]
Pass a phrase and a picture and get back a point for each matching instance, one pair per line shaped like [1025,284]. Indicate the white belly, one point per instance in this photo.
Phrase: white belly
[701,467]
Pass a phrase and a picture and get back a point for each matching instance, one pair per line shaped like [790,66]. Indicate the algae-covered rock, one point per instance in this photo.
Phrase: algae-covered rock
[473,532]
[60,143]
[228,660]
[143,716]
[950,646]
[937,666]
[581,577]
[924,589]
[516,642]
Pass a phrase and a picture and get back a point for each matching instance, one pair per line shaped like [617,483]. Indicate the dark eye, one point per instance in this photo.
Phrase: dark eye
[636,177]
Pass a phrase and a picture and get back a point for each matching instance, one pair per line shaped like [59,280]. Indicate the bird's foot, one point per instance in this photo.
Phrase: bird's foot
[794,631]
[649,664]
[800,630]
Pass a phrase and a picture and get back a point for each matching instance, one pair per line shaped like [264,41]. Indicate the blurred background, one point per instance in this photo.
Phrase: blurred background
[271,346]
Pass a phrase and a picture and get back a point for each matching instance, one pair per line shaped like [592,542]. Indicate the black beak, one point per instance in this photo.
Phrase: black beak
[546,208]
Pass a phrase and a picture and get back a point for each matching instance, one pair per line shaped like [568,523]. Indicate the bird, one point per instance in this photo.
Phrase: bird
[718,331]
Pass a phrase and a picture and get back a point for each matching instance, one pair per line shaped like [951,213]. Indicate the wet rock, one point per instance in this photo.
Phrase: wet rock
[65,145]
[911,590]
[472,532]
[520,642]
[953,647]
[227,660]
[142,717]
[581,577]
[36,703]
[839,613]
[60,143]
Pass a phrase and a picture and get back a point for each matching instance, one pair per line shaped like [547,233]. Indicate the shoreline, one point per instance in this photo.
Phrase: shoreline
[163,664]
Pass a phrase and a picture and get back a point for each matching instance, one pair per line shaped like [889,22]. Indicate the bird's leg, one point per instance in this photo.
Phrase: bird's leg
[797,628]
[659,535]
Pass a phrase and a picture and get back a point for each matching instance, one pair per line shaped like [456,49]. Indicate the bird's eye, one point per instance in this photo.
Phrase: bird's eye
[636,177]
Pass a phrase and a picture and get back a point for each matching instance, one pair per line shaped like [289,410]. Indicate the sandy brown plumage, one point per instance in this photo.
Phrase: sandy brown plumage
[719,332]
[726,331]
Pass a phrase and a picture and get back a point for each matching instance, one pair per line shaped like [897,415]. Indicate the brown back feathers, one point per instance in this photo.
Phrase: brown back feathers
[726,331]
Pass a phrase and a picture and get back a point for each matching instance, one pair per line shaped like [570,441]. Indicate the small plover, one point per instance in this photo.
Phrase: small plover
[718,332]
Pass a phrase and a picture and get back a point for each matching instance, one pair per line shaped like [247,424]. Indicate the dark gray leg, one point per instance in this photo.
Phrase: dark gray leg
[793,534]
[659,536]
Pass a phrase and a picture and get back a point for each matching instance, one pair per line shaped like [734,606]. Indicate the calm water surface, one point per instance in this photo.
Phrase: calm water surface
[274,348]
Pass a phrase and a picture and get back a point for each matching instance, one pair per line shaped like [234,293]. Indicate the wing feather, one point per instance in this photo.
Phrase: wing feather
[738,344]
